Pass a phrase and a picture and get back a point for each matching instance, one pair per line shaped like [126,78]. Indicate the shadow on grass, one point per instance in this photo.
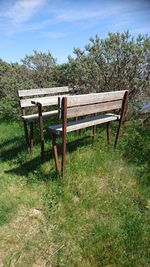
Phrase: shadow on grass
[33,165]
[32,171]
[15,150]
[10,149]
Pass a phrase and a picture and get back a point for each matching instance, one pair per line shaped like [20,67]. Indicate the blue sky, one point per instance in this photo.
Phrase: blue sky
[60,25]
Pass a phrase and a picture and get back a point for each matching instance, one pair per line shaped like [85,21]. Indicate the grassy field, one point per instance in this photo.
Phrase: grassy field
[98,215]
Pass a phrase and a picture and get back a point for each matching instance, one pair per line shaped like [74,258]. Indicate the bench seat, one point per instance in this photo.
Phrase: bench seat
[32,117]
[84,123]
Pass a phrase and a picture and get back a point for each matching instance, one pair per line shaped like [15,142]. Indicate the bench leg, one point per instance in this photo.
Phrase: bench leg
[78,132]
[108,132]
[63,163]
[31,136]
[53,136]
[94,132]
[118,133]
[41,132]
[26,134]
[123,113]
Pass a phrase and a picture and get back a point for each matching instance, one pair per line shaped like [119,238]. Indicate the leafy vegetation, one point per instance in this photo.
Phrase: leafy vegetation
[96,216]
[118,62]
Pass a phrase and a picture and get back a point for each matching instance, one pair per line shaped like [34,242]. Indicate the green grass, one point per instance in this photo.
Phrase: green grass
[98,215]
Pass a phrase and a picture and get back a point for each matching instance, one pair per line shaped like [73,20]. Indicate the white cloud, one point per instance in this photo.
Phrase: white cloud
[23,10]
[17,17]
[82,14]
[74,12]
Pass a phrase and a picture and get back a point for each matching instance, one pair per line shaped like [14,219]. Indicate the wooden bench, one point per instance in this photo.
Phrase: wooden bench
[28,101]
[90,105]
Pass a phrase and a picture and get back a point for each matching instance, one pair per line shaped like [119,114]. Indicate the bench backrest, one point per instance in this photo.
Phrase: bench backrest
[52,94]
[81,105]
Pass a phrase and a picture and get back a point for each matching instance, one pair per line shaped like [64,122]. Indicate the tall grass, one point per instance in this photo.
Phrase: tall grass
[96,216]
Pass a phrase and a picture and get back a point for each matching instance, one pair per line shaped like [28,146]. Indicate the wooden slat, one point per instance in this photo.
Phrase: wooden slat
[44,101]
[47,101]
[91,109]
[52,100]
[84,123]
[43,91]
[94,98]
[36,116]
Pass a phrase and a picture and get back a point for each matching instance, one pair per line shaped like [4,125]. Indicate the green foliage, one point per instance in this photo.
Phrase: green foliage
[12,78]
[116,63]
[39,68]
[60,74]
[35,72]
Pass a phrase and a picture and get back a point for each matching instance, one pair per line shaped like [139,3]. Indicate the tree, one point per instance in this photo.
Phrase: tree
[12,78]
[38,67]
[60,74]
[35,72]
[116,63]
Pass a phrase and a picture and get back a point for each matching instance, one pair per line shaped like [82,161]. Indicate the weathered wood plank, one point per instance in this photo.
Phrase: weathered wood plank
[91,109]
[36,116]
[84,123]
[47,100]
[43,91]
[86,99]
[52,100]
[44,101]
